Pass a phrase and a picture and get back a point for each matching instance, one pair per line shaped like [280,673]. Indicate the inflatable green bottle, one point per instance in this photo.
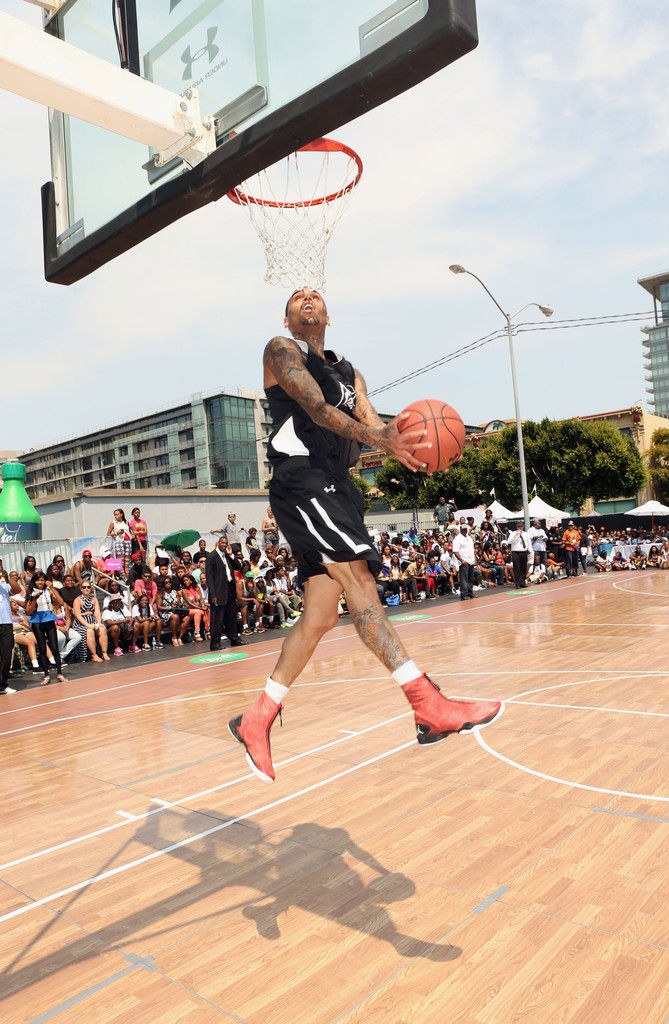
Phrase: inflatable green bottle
[18,519]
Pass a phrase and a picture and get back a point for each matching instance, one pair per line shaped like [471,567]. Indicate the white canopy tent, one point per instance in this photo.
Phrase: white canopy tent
[500,512]
[649,508]
[540,509]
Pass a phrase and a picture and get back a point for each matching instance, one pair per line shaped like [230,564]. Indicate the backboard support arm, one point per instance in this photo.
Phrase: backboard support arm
[49,71]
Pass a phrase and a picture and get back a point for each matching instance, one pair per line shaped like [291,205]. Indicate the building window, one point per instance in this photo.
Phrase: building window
[163,480]
[123,450]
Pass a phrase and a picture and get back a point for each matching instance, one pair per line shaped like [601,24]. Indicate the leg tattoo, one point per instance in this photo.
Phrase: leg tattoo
[379,636]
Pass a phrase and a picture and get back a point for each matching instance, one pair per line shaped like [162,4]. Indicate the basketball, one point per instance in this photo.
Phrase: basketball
[445,432]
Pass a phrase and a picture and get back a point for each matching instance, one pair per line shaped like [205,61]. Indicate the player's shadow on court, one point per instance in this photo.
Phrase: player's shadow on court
[325,884]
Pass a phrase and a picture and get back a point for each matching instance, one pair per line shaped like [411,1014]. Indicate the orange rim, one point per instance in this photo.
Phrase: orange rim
[317,146]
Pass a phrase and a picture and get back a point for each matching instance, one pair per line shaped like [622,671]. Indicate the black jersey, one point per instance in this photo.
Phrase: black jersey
[294,433]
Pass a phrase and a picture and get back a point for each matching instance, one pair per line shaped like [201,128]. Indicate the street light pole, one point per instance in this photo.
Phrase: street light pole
[519,428]
[509,317]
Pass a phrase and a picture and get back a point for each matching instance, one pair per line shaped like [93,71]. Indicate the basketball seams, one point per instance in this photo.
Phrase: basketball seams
[434,416]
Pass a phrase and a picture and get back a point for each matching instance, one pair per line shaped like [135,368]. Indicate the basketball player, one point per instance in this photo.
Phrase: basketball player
[321,413]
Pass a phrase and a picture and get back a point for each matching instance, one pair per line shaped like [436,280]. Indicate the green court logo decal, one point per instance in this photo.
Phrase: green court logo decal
[218,657]
[408,618]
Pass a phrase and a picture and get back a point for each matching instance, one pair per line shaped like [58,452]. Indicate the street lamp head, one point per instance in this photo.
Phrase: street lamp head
[455,268]
[546,310]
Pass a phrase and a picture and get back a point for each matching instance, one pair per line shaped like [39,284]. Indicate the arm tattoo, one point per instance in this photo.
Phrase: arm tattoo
[379,636]
[284,359]
[364,410]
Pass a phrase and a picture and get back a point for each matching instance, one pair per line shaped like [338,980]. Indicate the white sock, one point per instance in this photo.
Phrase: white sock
[406,673]
[275,691]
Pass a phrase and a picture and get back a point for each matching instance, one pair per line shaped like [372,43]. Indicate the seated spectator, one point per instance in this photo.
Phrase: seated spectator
[146,586]
[249,604]
[554,569]
[120,625]
[70,643]
[69,591]
[506,560]
[438,575]
[200,563]
[171,612]
[451,567]
[192,598]
[159,557]
[137,569]
[619,563]
[638,559]
[146,624]
[537,572]
[279,609]
[415,577]
[187,560]
[88,622]
[23,635]
[164,573]
[29,569]
[653,559]
[602,562]
[490,569]
[285,587]
[84,569]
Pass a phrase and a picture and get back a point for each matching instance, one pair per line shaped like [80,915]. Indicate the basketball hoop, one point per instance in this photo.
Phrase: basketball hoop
[295,206]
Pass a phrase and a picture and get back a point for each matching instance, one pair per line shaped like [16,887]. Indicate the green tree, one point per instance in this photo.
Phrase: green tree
[567,460]
[460,483]
[399,485]
[658,464]
[405,489]
[363,487]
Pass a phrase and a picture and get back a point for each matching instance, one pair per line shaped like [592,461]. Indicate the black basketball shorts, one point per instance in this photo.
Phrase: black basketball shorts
[321,516]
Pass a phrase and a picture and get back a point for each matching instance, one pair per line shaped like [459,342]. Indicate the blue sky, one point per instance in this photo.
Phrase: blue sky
[538,161]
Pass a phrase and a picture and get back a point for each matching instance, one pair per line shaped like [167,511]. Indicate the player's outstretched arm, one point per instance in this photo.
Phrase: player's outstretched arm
[283,360]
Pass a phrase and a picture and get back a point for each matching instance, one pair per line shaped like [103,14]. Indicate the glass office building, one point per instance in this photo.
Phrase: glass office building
[213,441]
[656,344]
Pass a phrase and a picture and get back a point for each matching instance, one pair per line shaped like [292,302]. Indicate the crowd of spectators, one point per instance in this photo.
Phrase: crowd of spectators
[130,600]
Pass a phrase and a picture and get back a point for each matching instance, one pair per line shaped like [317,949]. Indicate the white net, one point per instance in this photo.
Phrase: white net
[295,206]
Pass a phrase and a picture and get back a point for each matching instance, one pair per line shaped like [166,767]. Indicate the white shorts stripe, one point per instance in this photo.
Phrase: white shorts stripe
[312,529]
[357,548]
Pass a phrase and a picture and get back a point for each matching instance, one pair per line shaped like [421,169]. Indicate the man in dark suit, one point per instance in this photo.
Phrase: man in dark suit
[221,566]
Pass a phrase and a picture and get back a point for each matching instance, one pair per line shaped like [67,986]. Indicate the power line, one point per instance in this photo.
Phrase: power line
[590,321]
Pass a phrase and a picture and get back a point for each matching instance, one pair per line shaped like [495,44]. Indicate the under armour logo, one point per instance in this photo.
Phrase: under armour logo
[210,49]
[330,490]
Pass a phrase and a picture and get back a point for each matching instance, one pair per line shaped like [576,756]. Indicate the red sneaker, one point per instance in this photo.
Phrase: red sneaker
[252,730]
[436,716]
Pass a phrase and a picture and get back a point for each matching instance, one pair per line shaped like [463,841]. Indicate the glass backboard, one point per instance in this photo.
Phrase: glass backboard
[275,74]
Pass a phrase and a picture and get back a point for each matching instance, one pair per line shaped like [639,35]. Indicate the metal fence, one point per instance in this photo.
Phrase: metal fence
[12,555]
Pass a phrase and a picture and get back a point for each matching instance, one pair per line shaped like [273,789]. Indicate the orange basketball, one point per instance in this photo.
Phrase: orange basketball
[445,432]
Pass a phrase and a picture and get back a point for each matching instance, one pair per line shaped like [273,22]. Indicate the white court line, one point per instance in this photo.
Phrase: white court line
[165,804]
[589,707]
[581,682]
[125,814]
[564,782]
[200,668]
[200,835]
[214,695]
[643,593]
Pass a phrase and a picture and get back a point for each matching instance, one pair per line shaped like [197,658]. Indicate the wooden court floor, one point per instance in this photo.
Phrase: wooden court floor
[516,874]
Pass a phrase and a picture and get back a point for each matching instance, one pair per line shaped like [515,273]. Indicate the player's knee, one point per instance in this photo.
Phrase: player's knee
[320,620]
